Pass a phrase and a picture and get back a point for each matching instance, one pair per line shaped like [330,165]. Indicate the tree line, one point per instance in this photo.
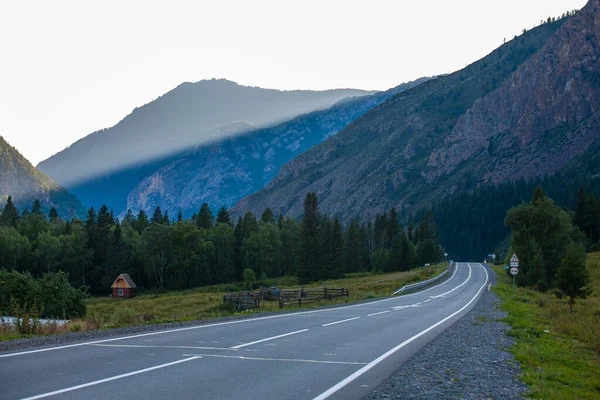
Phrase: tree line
[159,251]
[550,247]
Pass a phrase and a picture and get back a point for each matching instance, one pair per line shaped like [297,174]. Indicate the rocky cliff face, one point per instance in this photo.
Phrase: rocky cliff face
[524,110]
[223,172]
[544,114]
[19,179]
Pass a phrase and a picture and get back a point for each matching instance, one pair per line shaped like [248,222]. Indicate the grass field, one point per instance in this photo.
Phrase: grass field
[206,302]
[559,351]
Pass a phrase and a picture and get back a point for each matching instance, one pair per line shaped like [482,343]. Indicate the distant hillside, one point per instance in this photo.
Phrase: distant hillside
[191,114]
[524,110]
[223,172]
[19,179]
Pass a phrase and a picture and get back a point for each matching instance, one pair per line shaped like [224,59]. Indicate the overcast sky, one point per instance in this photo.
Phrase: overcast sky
[69,68]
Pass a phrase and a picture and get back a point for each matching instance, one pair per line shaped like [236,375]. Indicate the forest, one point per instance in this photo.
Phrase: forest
[162,252]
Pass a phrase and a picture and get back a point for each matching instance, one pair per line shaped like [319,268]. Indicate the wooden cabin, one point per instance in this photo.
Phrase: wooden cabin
[123,287]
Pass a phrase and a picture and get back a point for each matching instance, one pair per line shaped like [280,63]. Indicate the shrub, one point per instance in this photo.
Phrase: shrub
[124,316]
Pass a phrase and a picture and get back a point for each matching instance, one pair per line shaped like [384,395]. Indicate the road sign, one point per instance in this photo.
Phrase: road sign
[514,261]
[490,255]
[514,271]
[506,267]
[427,265]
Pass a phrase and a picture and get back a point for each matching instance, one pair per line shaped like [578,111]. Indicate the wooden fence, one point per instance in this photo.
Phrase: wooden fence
[301,296]
[242,301]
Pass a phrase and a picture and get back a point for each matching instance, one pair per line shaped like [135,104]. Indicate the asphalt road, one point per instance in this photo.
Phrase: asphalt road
[337,353]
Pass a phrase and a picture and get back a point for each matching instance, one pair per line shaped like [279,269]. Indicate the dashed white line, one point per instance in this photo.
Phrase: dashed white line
[239,346]
[149,346]
[141,371]
[379,359]
[339,322]
[275,359]
[378,313]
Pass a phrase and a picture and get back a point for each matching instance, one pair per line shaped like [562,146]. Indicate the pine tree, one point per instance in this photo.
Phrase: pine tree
[53,215]
[580,210]
[179,216]
[142,222]
[166,220]
[338,264]
[310,254]
[129,219]
[157,216]
[267,216]
[223,216]
[37,208]
[10,215]
[572,277]
[205,219]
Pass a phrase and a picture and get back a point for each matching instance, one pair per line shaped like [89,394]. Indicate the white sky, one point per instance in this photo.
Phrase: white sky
[68,68]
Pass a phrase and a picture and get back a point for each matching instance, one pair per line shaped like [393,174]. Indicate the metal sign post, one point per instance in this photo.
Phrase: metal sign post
[514,270]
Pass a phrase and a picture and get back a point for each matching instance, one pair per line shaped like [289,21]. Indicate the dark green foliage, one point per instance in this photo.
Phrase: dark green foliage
[541,234]
[572,277]
[157,216]
[53,215]
[310,254]
[10,215]
[50,296]
[223,216]
[142,222]
[267,216]
[205,218]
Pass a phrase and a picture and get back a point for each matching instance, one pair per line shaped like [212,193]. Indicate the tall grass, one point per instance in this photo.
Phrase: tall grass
[559,351]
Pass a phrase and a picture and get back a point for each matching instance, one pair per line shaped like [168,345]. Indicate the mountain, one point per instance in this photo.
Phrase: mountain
[524,110]
[19,179]
[222,172]
[105,165]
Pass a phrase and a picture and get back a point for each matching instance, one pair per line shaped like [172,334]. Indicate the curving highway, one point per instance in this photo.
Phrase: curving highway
[335,353]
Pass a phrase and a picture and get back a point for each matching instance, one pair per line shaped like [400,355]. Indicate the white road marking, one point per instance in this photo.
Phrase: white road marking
[166,347]
[141,371]
[377,313]
[274,359]
[242,321]
[239,346]
[425,301]
[379,359]
[339,322]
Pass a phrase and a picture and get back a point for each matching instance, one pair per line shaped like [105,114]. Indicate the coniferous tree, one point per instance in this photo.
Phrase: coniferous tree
[118,257]
[37,208]
[310,254]
[166,220]
[352,252]
[53,215]
[267,216]
[142,222]
[179,216]
[336,244]
[592,217]
[205,219]
[157,216]
[580,210]
[572,277]
[129,219]
[10,215]
[223,216]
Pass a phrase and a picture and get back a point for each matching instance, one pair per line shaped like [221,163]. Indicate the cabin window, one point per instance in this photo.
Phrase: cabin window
[120,292]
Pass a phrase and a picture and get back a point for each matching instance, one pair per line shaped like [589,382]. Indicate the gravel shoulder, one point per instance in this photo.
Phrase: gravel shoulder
[470,360]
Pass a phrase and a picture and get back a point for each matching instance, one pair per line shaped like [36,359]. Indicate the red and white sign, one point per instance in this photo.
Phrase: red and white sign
[514,271]
[514,261]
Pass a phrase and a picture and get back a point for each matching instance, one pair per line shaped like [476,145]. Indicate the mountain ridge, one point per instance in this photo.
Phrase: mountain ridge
[386,157]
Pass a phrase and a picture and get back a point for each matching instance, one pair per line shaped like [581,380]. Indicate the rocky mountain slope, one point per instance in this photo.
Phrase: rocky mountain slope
[524,110]
[19,179]
[223,172]
[105,165]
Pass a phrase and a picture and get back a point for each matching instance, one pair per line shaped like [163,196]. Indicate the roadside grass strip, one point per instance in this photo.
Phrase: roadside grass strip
[559,351]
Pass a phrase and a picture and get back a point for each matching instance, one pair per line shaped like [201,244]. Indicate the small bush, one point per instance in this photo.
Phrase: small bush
[75,326]
[124,316]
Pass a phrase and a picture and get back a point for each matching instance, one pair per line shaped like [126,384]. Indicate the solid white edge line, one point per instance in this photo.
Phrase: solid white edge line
[379,359]
[339,322]
[141,371]
[239,346]
[161,332]
[377,313]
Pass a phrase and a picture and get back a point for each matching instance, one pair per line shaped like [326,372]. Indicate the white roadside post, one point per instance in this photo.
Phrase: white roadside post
[514,270]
